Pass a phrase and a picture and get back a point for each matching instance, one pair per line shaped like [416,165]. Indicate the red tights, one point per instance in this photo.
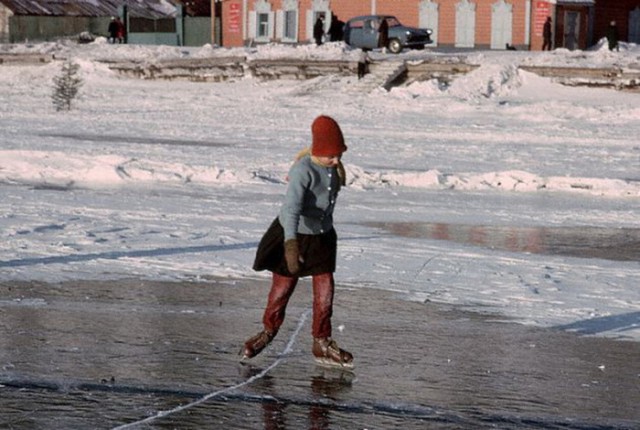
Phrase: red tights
[281,290]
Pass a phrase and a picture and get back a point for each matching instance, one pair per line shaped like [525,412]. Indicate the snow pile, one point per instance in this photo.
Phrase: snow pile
[57,169]
[326,51]
[486,81]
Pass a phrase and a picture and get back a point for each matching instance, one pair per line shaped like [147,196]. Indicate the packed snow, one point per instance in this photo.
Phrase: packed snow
[177,180]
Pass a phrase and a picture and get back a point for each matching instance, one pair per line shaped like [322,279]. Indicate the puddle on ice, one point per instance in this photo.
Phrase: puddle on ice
[109,354]
[620,244]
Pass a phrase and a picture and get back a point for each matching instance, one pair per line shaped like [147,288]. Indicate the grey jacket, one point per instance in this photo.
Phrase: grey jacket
[310,199]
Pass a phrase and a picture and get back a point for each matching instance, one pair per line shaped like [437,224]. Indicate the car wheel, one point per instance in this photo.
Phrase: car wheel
[395,46]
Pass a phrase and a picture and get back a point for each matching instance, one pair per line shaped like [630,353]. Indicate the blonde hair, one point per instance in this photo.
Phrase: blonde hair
[342,174]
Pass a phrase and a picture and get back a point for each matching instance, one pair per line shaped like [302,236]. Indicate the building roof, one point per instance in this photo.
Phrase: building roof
[137,8]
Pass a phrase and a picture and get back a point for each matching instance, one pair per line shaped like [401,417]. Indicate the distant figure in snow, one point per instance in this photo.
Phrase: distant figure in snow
[612,36]
[546,35]
[383,35]
[120,30]
[318,30]
[336,29]
[113,30]
[363,64]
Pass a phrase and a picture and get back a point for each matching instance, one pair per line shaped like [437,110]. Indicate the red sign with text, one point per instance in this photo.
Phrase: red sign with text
[235,18]
[543,10]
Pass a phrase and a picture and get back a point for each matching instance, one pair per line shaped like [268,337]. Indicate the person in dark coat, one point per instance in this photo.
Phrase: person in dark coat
[301,241]
[113,30]
[363,64]
[318,30]
[336,29]
[612,36]
[120,30]
[546,35]
[383,34]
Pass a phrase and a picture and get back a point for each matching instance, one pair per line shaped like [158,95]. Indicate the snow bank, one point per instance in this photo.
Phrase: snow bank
[38,168]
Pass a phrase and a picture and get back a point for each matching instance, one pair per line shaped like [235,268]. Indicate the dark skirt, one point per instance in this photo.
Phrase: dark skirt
[317,250]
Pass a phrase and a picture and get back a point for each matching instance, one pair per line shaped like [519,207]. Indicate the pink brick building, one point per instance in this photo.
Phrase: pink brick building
[457,24]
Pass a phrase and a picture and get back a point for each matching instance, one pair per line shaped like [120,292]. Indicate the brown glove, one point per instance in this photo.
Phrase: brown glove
[292,256]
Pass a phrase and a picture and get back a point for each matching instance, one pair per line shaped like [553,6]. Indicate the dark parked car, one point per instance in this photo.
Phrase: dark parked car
[362,32]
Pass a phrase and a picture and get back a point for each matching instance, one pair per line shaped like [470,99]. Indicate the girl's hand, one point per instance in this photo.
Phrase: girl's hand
[292,256]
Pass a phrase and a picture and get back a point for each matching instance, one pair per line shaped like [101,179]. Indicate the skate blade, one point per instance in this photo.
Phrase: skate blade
[332,364]
[243,355]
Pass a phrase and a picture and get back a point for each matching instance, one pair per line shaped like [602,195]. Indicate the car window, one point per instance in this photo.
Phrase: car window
[393,22]
[356,24]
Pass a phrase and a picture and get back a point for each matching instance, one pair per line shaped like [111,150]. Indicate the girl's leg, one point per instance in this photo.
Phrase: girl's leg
[325,349]
[323,287]
[281,289]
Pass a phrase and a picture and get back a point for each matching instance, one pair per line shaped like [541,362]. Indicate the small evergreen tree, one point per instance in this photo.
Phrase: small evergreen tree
[66,86]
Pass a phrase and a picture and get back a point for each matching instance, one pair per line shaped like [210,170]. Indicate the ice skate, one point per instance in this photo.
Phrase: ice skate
[327,353]
[254,345]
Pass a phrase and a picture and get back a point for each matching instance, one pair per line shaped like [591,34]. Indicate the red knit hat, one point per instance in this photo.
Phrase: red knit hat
[327,139]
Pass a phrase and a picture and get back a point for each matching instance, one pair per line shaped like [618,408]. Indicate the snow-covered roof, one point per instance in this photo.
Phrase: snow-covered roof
[138,8]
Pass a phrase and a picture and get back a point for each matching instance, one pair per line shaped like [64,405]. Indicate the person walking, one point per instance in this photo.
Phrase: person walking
[383,35]
[546,35]
[363,64]
[318,30]
[121,30]
[613,37]
[336,29]
[113,30]
[302,241]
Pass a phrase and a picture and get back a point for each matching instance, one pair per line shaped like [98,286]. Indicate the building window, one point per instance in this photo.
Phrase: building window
[465,24]
[261,22]
[290,25]
[318,7]
[634,25]
[263,25]
[429,16]
[501,24]
[287,21]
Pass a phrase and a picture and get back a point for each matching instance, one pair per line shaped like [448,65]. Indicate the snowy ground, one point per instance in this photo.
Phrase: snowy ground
[178,180]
